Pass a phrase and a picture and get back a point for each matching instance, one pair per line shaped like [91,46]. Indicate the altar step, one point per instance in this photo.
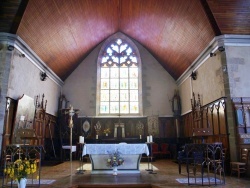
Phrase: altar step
[113,186]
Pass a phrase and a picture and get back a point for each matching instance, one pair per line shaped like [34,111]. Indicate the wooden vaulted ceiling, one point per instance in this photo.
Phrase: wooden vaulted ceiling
[63,32]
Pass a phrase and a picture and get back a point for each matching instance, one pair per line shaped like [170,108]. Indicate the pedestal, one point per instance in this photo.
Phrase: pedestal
[115,170]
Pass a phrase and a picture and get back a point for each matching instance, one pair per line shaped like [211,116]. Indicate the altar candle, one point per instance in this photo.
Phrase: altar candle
[22,118]
[150,138]
[140,136]
[96,137]
[147,138]
[81,139]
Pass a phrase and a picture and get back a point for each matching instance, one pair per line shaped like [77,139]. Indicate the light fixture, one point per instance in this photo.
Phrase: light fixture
[21,55]
[221,48]
[43,76]
[212,54]
[194,75]
[224,68]
[10,48]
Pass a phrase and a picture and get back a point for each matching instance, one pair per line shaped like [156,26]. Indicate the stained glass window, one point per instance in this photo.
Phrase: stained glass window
[119,79]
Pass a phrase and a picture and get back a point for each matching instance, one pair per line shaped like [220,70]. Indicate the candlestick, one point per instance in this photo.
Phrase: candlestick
[150,138]
[81,139]
[140,136]
[147,138]
[96,137]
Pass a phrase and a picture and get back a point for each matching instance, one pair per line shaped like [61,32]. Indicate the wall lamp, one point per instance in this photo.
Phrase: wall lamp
[10,48]
[21,55]
[194,75]
[221,48]
[43,76]
[224,68]
[212,54]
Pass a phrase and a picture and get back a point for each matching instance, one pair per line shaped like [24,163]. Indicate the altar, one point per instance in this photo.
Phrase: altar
[99,153]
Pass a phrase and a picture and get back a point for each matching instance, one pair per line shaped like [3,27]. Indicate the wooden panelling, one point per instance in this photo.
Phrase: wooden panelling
[241,106]
[9,118]
[232,16]
[171,30]
[8,12]
[213,118]
[62,32]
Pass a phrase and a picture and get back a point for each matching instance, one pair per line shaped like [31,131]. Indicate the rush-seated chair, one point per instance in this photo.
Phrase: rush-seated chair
[240,167]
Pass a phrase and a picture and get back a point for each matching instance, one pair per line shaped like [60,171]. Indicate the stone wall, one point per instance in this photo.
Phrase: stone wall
[5,59]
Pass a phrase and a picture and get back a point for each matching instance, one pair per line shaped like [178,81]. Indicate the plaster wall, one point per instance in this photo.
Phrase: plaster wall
[80,87]
[238,66]
[185,92]
[157,85]
[209,83]
[24,78]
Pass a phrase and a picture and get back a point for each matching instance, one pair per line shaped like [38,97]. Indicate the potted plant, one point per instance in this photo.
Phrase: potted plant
[20,169]
[106,131]
[114,161]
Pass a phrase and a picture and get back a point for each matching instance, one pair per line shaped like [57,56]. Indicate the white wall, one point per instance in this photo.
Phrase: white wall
[209,83]
[185,92]
[80,87]
[238,68]
[25,79]
[158,86]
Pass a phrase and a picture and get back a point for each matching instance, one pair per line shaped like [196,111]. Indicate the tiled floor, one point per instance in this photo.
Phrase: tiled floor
[166,175]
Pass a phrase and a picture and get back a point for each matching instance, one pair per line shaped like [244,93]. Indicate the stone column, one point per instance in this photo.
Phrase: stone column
[5,65]
[230,113]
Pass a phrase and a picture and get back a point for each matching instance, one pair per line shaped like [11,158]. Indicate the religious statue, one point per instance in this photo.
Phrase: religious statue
[176,104]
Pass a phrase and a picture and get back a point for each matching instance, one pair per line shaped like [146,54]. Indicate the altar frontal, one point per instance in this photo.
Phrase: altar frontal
[99,154]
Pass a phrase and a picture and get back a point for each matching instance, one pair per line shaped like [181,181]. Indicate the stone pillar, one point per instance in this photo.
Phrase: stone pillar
[230,113]
[5,65]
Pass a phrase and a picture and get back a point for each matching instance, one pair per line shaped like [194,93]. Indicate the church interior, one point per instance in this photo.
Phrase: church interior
[117,93]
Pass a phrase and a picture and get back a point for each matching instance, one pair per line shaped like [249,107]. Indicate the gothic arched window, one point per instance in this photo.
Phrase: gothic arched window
[119,78]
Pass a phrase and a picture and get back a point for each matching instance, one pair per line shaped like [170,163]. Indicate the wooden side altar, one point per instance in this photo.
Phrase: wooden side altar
[99,153]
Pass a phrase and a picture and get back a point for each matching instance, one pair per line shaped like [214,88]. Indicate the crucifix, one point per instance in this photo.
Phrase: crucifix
[71,112]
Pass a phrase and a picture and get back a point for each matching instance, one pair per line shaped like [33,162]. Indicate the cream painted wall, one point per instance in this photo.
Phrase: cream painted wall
[238,67]
[158,86]
[80,87]
[25,79]
[209,83]
[185,92]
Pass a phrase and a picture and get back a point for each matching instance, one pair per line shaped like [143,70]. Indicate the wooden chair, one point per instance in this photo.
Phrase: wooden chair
[155,150]
[217,164]
[165,150]
[240,167]
[181,159]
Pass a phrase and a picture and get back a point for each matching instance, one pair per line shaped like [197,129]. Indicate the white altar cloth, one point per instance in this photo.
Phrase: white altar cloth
[122,148]
[68,147]
[99,153]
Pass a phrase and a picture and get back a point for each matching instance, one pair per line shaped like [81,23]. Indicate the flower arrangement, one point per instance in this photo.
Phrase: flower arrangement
[20,168]
[106,131]
[115,159]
